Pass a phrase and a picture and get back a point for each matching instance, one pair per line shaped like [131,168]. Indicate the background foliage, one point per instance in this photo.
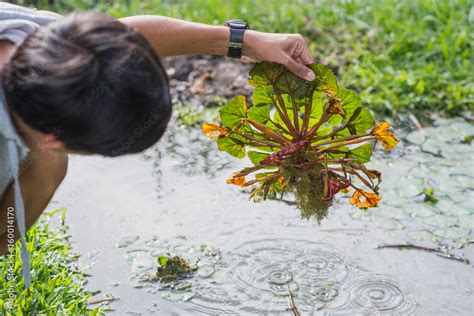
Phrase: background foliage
[409,55]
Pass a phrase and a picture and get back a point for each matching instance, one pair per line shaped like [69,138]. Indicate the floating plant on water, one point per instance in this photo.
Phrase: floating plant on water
[173,268]
[311,139]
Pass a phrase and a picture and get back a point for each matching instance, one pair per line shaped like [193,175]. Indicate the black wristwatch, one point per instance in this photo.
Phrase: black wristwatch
[236,42]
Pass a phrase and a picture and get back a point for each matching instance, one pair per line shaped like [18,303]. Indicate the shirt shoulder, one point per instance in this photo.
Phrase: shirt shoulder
[8,133]
[17,22]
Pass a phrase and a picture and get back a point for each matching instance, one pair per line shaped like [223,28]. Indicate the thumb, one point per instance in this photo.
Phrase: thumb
[299,69]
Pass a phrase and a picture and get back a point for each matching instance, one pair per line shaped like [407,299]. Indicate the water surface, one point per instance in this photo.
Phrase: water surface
[173,199]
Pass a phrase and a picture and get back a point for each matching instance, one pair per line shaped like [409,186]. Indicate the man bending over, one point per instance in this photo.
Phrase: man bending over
[85,83]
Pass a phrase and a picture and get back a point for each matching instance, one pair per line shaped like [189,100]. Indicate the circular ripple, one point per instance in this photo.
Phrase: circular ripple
[257,277]
[323,266]
[280,277]
[379,294]
[324,293]
[285,261]
[269,269]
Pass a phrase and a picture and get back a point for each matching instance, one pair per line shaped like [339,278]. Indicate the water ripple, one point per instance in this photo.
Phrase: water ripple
[260,274]
[379,295]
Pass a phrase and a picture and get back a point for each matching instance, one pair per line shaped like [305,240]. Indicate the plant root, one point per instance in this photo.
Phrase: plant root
[308,188]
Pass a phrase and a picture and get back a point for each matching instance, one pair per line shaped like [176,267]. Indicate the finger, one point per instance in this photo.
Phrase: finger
[299,69]
[300,60]
[306,57]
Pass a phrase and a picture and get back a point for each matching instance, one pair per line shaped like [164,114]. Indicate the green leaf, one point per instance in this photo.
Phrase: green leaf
[232,146]
[317,108]
[233,112]
[163,260]
[360,122]
[256,157]
[337,153]
[362,153]
[264,73]
[266,149]
[430,196]
[274,186]
[290,84]
[260,113]
[350,101]
[300,102]
[261,96]
[325,80]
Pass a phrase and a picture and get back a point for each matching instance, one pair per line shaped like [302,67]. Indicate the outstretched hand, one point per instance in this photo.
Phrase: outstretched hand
[289,50]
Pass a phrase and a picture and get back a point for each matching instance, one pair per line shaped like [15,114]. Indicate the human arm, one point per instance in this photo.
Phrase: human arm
[172,37]
[40,175]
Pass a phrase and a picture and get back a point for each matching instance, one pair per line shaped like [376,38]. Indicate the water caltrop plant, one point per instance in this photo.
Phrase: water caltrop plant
[172,268]
[311,139]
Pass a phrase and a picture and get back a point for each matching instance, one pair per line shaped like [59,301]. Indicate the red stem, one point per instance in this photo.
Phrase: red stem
[356,141]
[269,133]
[337,140]
[246,171]
[261,141]
[307,114]
[282,112]
[315,128]
[295,114]
[267,178]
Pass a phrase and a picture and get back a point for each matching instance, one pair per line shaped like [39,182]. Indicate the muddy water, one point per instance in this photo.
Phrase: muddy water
[126,212]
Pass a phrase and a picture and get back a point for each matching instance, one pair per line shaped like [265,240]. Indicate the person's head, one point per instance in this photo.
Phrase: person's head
[90,84]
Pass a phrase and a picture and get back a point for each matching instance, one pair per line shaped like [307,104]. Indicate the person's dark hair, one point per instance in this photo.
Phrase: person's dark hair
[94,82]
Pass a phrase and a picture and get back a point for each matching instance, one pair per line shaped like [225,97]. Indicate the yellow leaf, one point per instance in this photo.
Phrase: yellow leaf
[213,131]
[374,174]
[385,136]
[336,106]
[370,199]
[239,181]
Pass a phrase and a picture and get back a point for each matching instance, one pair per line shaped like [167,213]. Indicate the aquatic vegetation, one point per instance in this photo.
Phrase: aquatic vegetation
[308,138]
[172,268]
[57,286]
[429,194]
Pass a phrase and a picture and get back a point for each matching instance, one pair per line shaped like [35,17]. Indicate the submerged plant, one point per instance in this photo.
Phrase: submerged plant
[308,138]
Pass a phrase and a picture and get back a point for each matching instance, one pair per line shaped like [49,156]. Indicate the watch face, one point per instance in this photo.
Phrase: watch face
[237,24]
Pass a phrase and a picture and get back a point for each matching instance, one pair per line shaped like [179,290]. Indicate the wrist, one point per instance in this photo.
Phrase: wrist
[249,44]
[222,35]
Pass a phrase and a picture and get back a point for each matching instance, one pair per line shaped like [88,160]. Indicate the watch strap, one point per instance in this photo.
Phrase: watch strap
[236,42]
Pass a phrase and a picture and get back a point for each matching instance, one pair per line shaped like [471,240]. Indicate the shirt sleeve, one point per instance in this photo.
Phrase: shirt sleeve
[17,22]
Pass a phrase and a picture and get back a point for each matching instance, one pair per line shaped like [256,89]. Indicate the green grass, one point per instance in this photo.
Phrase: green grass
[57,285]
[400,56]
